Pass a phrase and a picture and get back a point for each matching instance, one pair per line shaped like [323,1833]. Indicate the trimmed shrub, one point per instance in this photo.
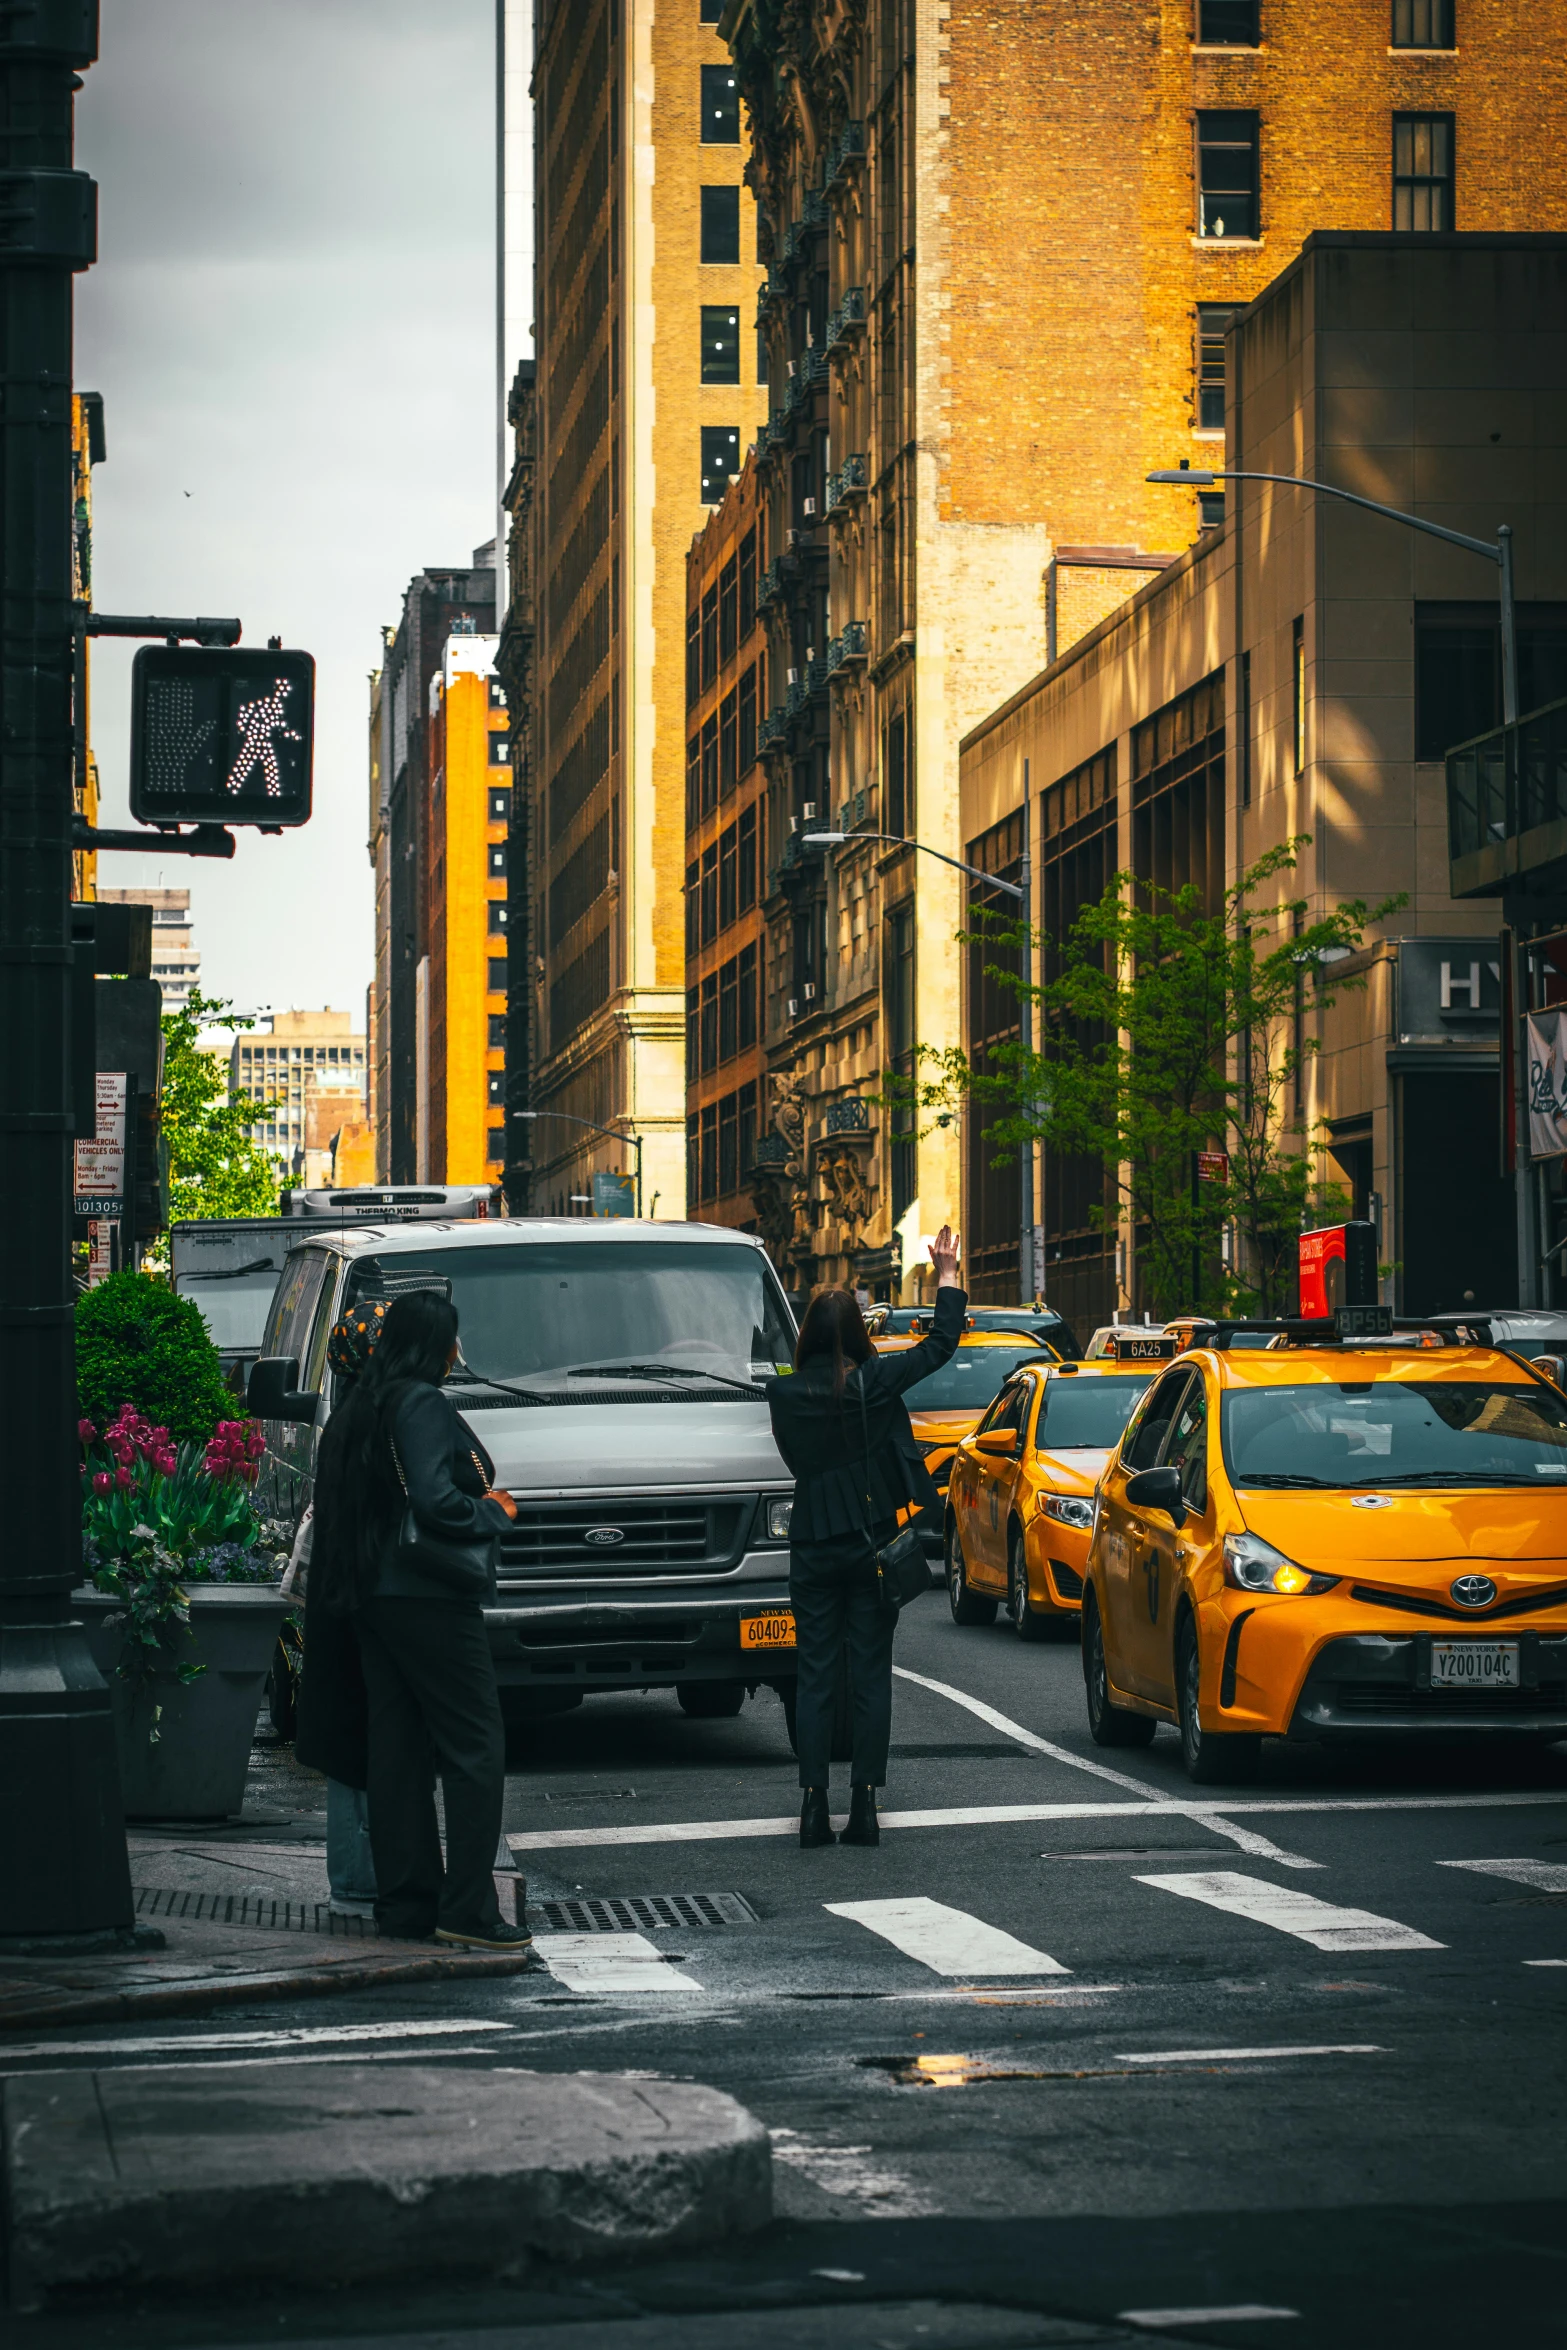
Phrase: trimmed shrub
[137,1343]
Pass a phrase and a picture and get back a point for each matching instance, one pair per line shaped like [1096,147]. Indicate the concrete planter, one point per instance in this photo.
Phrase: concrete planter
[197,1769]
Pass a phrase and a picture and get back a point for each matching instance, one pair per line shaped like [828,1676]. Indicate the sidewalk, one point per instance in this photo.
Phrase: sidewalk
[241,1907]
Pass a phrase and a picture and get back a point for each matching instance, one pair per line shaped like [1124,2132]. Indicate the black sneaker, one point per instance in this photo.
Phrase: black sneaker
[500,1936]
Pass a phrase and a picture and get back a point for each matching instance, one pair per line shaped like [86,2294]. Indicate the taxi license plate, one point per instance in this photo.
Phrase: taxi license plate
[771,1631]
[1474,1664]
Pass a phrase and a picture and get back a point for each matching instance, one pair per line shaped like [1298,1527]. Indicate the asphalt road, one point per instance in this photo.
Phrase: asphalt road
[1100,2043]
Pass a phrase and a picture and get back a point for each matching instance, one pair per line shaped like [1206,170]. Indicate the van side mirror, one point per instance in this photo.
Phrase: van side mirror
[273,1392]
[1158,1489]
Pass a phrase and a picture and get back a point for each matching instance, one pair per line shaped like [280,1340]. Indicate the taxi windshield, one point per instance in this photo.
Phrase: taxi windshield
[973,1378]
[1086,1412]
[1396,1432]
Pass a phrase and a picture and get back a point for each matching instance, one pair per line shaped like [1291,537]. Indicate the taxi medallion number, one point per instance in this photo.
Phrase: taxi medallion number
[770,1631]
[1474,1664]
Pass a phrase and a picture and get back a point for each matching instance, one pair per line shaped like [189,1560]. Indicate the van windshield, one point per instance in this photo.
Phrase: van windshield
[543,1310]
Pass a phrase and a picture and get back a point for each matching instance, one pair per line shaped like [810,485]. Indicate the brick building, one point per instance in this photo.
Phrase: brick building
[1301,670]
[726,848]
[1005,242]
[635,416]
[461,1079]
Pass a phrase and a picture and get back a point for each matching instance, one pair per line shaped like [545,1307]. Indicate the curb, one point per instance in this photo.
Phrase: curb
[114,2003]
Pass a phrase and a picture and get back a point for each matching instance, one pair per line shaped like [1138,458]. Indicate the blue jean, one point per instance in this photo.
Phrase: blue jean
[350,1871]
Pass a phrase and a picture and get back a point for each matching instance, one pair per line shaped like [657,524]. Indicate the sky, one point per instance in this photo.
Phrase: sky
[291,322]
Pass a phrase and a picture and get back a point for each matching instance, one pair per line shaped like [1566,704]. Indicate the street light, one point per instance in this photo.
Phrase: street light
[1498,550]
[1027,1270]
[614,1132]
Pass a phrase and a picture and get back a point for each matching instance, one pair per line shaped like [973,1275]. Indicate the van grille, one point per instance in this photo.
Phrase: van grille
[678,1536]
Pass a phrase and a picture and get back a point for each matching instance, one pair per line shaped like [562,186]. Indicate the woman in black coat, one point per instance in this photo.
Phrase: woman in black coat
[396,1445]
[842,1425]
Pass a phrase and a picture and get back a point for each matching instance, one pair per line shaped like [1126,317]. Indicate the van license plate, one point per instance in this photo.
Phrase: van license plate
[772,1631]
[1474,1664]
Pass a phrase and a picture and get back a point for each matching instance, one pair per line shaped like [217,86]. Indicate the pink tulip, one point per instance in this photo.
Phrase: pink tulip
[102,1481]
[86,1431]
[124,1478]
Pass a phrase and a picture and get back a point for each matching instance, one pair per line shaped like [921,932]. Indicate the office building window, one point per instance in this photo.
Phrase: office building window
[1422,171]
[1213,320]
[720,345]
[746,748]
[496,1147]
[747,583]
[693,1031]
[710,1151]
[898,990]
[728,744]
[746,1106]
[728,611]
[497,859]
[500,807]
[1227,174]
[497,1032]
[497,1085]
[1245,730]
[497,979]
[693,654]
[746,989]
[693,783]
[711,11]
[1423,24]
[693,1154]
[729,1010]
[1298,693]
[1210,509]
[1458,669]
[500,749]
[693,909]
[720,106]
[728,1145]
[1228,24]
[720,224]
[745,859]
[761,355]
[497,914]
[497,694]
[710,636]
[710,765]
[710,894]
[710,1021]
[728,875]
[899,799]
[720,460]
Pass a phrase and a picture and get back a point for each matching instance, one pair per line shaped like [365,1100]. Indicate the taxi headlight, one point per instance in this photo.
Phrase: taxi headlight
[778,1518]
[1072,1509]
[1250,1564]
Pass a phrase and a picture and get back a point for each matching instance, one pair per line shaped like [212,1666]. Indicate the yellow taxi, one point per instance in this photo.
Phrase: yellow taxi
[1365,1538]
[950,1404]
[1020,1507]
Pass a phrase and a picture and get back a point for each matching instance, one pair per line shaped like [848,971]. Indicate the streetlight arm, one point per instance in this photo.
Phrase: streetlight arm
[1192,477]
[615,1133]
[835,839]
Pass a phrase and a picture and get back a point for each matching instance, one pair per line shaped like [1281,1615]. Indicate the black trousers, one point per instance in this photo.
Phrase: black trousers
[832,1589]
[430,1682]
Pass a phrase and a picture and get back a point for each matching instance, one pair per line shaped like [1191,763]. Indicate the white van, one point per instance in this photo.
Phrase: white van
[651,1545]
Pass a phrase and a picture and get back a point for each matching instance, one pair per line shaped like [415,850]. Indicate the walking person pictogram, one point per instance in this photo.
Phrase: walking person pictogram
[261,725]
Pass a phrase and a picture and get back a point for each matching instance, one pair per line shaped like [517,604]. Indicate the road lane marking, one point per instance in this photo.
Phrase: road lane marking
[1235,2310]
[1245,2055]
[854,2172]
[610,1962]
[1545,1962]
[295,2036]
[1321,1923]
[1546,1876]
[1245,1839]
[948,1941]
[990,1815]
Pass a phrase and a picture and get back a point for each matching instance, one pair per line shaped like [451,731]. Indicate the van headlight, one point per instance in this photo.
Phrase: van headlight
[1250,1564]
[1072,1509]
[778,1512]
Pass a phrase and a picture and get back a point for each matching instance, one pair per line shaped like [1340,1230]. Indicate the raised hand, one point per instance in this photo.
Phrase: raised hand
[945,1250]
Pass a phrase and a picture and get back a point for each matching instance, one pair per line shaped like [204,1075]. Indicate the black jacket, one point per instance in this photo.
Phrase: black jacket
[446,1472]
[823,1437]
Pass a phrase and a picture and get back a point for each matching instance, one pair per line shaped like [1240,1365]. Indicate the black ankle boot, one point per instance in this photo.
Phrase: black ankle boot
[815,1826]
[863,1827]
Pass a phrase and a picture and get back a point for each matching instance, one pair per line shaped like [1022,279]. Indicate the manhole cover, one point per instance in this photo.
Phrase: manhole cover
[619,1913]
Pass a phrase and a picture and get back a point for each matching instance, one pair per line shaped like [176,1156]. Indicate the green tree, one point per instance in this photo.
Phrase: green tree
[216,1166]
[137,1343]
[1167,1032]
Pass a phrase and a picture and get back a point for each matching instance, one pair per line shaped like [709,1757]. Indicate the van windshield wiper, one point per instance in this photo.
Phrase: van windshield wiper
[667,1372]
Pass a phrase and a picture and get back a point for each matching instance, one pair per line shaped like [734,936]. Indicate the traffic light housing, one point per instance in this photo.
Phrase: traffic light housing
[221,736]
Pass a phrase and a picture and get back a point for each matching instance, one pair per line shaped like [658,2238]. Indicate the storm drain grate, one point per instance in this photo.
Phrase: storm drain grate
[260,1911]
[617,1915]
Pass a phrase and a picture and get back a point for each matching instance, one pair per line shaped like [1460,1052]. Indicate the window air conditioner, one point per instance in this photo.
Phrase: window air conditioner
[810,991]
[809,811]
[794,1008]
[810,505]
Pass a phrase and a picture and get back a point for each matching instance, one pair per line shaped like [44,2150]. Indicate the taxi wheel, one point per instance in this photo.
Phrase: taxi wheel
[1028,1621]
[1214,1758]
[710,1701]
[966,1605]
[1108,1725]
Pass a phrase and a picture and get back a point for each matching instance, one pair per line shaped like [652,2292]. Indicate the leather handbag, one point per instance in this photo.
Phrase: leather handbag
[466,1567]
[901,1572]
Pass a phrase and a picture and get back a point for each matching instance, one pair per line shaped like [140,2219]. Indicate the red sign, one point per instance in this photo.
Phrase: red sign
[1338,1267]
[1213,1166]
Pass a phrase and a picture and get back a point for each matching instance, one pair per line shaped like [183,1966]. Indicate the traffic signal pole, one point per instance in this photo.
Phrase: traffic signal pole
[63,1869]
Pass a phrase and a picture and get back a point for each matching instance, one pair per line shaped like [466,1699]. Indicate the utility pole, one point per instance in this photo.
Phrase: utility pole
[63,1869]
[1029,1282]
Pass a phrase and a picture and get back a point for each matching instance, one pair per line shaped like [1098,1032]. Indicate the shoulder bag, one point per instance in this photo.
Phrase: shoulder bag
[466,1567]
[901,1572]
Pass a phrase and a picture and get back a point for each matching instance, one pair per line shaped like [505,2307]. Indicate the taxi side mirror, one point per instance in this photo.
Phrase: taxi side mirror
[273,1391]
[1158,1489]
[1001,1442]
[1554,1367]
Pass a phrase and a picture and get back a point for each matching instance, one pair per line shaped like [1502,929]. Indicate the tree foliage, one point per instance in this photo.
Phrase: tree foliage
[139,1344]
[216,1167]
[1166,1032]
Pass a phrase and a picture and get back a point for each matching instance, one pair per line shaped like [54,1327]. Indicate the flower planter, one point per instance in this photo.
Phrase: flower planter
[197,1769]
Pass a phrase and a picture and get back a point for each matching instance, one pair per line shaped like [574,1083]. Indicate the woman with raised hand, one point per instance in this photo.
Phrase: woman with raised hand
[842,1425]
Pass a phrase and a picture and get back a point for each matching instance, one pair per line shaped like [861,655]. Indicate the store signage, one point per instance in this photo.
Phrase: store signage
[1546,1053]
[99,1184]
[1213,1166]
[1338,1267]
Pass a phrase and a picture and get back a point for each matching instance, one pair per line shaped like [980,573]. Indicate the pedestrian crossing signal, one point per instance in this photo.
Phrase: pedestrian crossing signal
[221,736]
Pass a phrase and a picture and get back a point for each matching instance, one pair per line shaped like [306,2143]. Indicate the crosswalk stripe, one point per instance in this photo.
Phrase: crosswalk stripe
[610,1962]
[1546,1876]
[1321,1923]
[948,1941]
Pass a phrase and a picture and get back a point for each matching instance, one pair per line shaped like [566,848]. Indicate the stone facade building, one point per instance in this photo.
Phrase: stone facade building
[634,418]
[1005,241]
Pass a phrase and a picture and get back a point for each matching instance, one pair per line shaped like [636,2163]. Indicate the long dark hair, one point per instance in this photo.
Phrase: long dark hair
[833,1332]
[358,1499]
